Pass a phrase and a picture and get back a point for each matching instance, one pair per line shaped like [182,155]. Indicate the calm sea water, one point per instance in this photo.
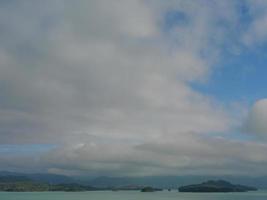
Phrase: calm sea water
[131,195]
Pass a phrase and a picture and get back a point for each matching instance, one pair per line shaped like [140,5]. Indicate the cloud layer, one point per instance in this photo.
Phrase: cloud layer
[257,119]
[110,86]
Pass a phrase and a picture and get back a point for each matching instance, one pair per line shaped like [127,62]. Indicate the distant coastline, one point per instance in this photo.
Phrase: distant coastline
[25,184]
[21,182]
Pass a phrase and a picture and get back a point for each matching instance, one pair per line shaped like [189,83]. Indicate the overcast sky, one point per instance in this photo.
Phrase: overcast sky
[133,87]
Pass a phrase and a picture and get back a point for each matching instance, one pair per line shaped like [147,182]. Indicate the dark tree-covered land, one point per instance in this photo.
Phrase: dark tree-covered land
[216,186]
[24,184]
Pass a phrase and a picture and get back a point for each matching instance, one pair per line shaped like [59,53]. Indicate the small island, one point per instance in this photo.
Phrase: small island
[150,189]
[216,186]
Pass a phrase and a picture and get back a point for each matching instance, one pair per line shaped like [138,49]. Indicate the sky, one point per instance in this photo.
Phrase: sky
[133,87]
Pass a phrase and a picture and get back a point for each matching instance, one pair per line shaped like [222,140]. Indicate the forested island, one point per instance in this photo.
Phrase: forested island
[216,186]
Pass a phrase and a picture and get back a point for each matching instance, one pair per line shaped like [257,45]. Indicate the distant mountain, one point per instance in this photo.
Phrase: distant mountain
[11,179]
[153,181]
[173,181]
[216,186]
[42,178]
[51,178]
[119,182]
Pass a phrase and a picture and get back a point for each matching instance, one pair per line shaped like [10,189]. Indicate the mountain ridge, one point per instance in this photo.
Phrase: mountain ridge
[154,181]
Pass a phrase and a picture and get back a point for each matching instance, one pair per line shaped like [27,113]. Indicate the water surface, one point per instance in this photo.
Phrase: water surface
[131,195]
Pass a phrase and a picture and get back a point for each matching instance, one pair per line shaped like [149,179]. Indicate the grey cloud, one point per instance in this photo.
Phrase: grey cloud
[106,83]
[256,33]
[255,123]
[82,81]
[190,154]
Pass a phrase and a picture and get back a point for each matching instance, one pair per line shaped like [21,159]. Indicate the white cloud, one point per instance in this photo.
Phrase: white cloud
[95,71]
[257,119]
[108,85]
[257,28]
